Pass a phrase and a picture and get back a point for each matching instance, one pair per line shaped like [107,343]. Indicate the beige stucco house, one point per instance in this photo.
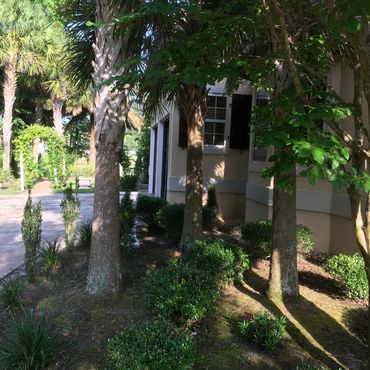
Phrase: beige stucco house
[234,165]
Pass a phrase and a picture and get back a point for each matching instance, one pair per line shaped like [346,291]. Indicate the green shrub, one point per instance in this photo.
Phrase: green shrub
[70,206]
[31,234]
[155,346]
[84,232]
[259,237]
[27,344]
[180,293]
[129,182]
[305,241]
[82,168]
[223,262]
[351,271]
[12,294]
[210,211]
[263,329]
[51,254]
[127,216]
[147,208]
[171,218]
[6,177]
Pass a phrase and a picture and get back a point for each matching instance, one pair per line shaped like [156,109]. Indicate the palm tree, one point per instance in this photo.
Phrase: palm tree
[23,37]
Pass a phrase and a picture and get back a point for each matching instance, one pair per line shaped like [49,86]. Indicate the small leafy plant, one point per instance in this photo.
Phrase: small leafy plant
[224,262]
[180,293]
[147,208]
[351,271]
[27,344]
[263,329]
[51,254]
[12,294]
[171,218]
[155,346]
[128,182]
[31,233]
[210,211]
[84,232]
[127,216]
[70,206]
[305,240]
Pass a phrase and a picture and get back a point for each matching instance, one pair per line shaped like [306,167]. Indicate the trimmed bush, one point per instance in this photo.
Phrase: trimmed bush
[351,271]
[210,211]
[51,254]
[129,182]
[84,232]
[263,329]
[127,215]
[155,346]
[180,293]
[147,207]
[12,294]
[171,218]
[27,344]
[225,263]
[31,234]
[259,237]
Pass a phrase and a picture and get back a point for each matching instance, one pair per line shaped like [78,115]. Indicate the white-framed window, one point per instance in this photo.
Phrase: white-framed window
[216,123]
[260,154]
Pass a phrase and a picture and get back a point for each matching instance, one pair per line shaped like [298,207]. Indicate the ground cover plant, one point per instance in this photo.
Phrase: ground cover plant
[12,291]
[157,346]
[351,271]
[27,344]
[51,252]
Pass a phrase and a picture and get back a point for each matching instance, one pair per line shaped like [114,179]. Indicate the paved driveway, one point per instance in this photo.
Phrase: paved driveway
[11,213]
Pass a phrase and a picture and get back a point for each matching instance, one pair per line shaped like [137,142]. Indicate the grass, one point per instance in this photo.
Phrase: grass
[318,331]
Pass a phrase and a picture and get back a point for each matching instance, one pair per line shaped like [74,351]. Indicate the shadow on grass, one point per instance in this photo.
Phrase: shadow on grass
[311,328]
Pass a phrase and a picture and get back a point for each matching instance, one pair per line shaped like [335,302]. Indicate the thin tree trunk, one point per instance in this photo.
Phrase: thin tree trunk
[39,111]
[111,110]
[9,87]
[92,151]
[283,271]
[194,103]
[58,114]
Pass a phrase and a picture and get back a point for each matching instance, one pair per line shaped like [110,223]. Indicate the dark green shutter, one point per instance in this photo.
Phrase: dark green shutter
[240,121]
[183,130]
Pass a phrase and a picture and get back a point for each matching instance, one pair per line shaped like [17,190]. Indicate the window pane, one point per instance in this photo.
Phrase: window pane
[219,128]
[221,113]
[211,101]
[208,139]
[211,113]
[219,140]
[209,127]
[221,102]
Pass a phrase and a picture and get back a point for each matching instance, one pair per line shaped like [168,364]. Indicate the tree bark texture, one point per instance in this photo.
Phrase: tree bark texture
[283,272]
[9,89]
[57,104]
[92,150]
[194,102]
[111,110]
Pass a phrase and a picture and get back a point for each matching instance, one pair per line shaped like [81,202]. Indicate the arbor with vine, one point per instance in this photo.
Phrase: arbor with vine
[56,154]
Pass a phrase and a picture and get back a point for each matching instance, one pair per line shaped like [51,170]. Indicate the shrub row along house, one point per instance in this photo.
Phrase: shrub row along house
[234,164]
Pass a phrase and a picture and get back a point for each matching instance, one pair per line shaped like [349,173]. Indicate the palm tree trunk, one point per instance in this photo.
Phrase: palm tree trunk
[111,110]
[92,151]
[283,280]
[57,114]
[194,103]
[9,89]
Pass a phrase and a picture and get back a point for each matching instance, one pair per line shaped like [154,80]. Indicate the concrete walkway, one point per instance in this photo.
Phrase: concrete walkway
[11,214]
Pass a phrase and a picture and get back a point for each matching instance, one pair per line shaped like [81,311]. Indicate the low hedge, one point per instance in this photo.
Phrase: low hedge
[181,293]
[155,346]
[259,237]
[351,271]
[147,207]
[171,218]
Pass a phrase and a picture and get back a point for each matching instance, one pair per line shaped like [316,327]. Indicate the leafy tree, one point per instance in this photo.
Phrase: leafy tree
[23,37]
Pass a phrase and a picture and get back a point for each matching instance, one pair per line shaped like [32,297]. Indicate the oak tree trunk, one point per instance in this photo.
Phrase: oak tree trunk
[58,114]
[194,104]
[9,89]
[111,110]
[283,271]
